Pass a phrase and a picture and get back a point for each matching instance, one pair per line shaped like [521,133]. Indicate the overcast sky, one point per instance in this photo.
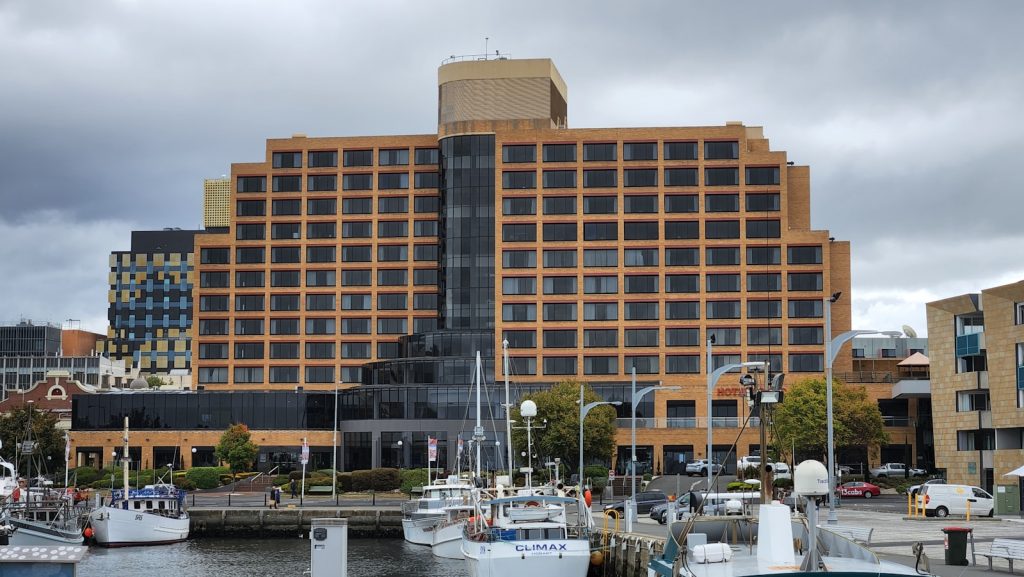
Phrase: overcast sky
[909,114]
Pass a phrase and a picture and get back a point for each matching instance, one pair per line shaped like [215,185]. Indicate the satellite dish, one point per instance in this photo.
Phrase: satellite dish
[909,331]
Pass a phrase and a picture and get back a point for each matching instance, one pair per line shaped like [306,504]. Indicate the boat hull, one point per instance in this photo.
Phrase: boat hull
[542,558]
[447,541]
[420,531]
[28,533]
[124,528]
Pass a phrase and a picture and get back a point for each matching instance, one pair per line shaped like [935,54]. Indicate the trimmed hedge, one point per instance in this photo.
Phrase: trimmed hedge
[412,478]
[206,477]
[85,475]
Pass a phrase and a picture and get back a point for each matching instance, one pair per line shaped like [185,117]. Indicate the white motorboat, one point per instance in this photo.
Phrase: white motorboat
[43,517]
[420,516]
[447,534]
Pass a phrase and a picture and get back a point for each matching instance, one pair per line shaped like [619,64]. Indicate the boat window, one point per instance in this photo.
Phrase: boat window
[149,504]
[555,533]
[138,504]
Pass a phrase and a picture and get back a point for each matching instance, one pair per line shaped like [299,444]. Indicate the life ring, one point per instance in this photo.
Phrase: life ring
[532,504]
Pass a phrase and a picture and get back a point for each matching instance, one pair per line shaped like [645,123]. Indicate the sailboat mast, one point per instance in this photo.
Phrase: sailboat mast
[508,410]
[124,459]
[478,431]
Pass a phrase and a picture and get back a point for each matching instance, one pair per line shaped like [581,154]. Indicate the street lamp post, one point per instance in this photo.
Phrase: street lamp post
[334,446]
[832,346]
[584,409]
[635,398]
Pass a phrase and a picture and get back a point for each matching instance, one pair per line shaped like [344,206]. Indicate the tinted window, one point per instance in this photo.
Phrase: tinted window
[599,151]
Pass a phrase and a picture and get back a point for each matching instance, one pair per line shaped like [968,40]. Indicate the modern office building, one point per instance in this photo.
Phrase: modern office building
[28,339]
[150,298]
[387,262]
[216,203]
[977,380]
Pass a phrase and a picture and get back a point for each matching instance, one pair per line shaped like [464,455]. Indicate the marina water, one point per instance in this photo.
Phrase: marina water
[266,558]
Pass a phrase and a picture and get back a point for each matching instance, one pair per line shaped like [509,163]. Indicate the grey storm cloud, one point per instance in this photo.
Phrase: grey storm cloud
[113,112]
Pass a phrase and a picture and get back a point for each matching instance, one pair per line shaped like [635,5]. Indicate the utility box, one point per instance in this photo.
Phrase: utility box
[1007,500]
[328,548]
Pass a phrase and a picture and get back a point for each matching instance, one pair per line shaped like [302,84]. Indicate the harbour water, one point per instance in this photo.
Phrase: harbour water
[266,558]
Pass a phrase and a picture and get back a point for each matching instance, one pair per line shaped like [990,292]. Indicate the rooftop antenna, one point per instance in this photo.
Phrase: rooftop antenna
[487,40]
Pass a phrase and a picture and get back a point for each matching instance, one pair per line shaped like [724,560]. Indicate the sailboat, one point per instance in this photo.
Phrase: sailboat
[152,515]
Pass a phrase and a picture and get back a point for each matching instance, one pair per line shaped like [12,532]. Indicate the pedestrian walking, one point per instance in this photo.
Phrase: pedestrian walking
[273,498]
[295,488]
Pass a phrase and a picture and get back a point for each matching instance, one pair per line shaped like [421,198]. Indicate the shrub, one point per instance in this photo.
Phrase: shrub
[226,479]
[85,475]
[345,481]
[183,483]
[739,486]
[280,479]
[324,472]
[362,480]
[647,477]
[750,472]
[410,478]
[783,483]
[385,479]
[598,485]
[297,475]
[595,471]
[205,477]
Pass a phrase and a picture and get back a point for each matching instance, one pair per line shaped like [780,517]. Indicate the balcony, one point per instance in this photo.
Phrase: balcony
[687,423]
[865,377]
[1020,378]
[912,388]
[896,421]
[970,345]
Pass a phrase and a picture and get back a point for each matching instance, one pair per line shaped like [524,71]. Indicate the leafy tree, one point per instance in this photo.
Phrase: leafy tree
[155,382]
[236,448]
[560,438]
[800,421]
[49,440]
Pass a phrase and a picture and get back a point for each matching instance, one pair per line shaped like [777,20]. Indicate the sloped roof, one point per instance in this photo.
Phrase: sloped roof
[914,360]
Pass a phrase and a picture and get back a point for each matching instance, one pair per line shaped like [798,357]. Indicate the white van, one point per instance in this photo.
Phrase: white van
[943,500]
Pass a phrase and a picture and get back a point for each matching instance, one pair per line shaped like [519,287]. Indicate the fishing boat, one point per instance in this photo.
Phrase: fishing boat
[43,517]
[152,515]
[420,516]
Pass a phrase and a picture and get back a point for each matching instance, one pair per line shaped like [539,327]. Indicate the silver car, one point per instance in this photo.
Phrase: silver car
[700,467]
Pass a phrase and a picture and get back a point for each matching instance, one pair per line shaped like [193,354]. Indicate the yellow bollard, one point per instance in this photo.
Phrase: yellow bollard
[910,506]
[968,511]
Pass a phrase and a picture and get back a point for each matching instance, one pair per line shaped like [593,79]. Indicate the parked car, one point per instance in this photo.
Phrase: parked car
[943,500]
[915,489]
[858,489]
[748,461]
[660,512]
[700,467]
[895,470]
[644,501]
[781,471]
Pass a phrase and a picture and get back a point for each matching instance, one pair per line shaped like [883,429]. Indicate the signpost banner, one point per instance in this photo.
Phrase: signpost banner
[431,449]
[305,452]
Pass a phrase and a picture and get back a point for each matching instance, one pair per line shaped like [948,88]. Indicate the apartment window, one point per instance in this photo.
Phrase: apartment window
[722,203]
[523,366]
[640,230]
[322,183]
[392,326]
[723,309]
[251,208]
[519,206]
[721,176]
[424,252]
[251,184]
[285,230]
[287,159]
[424,276]
[393,277]
[426,180]
[978,440]
[518,179]
[521,339]
[560,205]
[284,326]
[805,309]
[682,337]
[213,303]
[721,150]
[250,231]
[319,326]
[320,230]
[559,285]
[322,159]
[601,365]
[763,202]
[248,327]
[599,205]
[210,375]
[637,177]
[559,179]
[213,351]
[640,151]
[559,231]
[320,254]
[682,229]
[393,157]
[806,336]
[392,229]
[519,259]
[682,310]
[645,204]
[287,183]
[357,182]
[392,180]
[213,327]
[519,232]
[426,156]
[284,350]
[762,175]
[680,151]
[602,178]
[248,278]
[717,362]
[559,365]
[682,283]
[355,350]
[560,339]
[803,254]
[763,229]
[724,337]
[806,363]
[424,228]
[805,281]
[356,278]
[248,350]
[681,203]
[764,255]
[641,284]
[722,256]
[214,279]
[600,257]
[393,253]
[600,311]
[682,364]
[359,302]
[320,278]
[642,311]
[319,351]
[519,312]
[682,257]
[601,152]
[392,302]
[641,337]
[287,207]
[284,374]
[215,256]
[284,278]
[351,326]
[681,177]
[601,230]
[516,153]
[559,258]
[720,229]
[641,257]
[320,374]
[765,336]
[424,302]
[519,286]
[321,206]
[644,364]
[358,158]
[559,311]
[398,204]
[774,361]
[600,338]
[357,206]
[284,302]
[356,229]
[559,153]
[600,285]
[761,282]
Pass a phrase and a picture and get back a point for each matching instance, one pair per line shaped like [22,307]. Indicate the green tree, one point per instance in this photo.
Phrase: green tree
[237,449]
[800,421]
[49,440]
[155,382]
[560,437]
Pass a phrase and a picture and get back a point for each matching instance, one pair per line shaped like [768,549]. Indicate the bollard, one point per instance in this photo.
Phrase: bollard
[910,505]
[968,511]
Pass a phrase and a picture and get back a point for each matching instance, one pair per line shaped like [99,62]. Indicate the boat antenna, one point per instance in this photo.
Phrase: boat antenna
[124,462]
[508,409]
[478,430]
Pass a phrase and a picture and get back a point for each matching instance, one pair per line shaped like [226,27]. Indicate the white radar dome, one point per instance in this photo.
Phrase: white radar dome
[528,408]
[810,479]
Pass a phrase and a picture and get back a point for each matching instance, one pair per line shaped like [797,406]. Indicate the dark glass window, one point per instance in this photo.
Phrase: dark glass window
[357,182]
[213,351]
[682,364]
[764,255]
[559,285]
[717,283]
[323,159]
[250,231]
[392,302]
[721,150]
[600,365]
[600,284]
[559,365]
[725,337]
[284,278]
[426,156]
[600,151]
[213,303]
[682,283]
[355,302]
[763,202]
[682,229]
[722,229]
[284,326]
[722,256]
[424,252]
[644,364]
[518,206]
[424,228]
[218,279]
[392,253]
[641,257]
[633,230]
[560,339]
[320,230]
[355,350]
[518,312]
[215,256]
[805,309]
[559,311]
[287,159]
[248,350]
[682,310]
[680,151]
[213,327]
[559,258]
[599,205]
[519,259]
[513,153]
[519,285]
[804,255]
[426,204]
[640,151]
[287,183]
[251,184]
[763,229]
[723,309]
[722,203]
[681,177]
[251,208]
[393,277]
[641,337]
[600,312]
[721,176]
[288,207]
[317,326]
[284,374]
[424,276]
[632,177]
[393,204]
[806,363]
[682,257]
[424,302]
[392,326]
[675,203]
[760,282]
[518,232]
[642,311]
[518,179]
[559,231]
[560,205]
[603,178]
[321,206]
[594,338]
[319,351]
[640,204]
[392,229]
[521,339]
[357,206]
[285,230]
[393,157]
[764,336]
[805,281]
[284,302]
[636,284]
[601,231]
[350,326]
[393,180]
[600,257]
[248,278]
[320,278]
[559,153]
[284,350]
[689,337]
[559,179]
[426,180]
[806,335]
[758,175]
[248,326]
[523,365]
[320,254]
[770,309]
[356,229]
[358,158]
[322,182]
